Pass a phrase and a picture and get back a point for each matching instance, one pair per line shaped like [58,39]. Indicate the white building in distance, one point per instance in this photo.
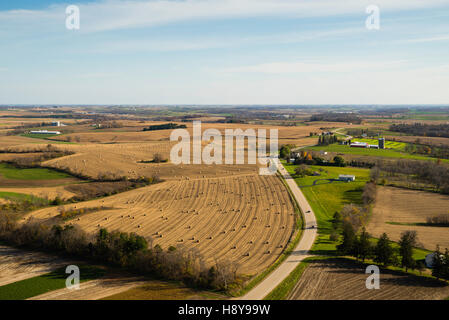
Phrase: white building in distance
[44,132]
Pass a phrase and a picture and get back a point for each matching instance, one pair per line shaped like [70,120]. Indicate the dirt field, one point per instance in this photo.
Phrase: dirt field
[341,279]
[94,290]
[217,216]
[157,290]
[409,206]
[17,265]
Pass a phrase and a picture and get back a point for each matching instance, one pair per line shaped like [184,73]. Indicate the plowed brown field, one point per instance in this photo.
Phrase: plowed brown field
[341,279]
[409,206]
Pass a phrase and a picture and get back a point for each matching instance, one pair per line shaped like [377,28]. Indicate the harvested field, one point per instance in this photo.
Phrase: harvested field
[124,160]
[120,152]
[95,289]
[223,218]
[409,206]
[10,141]
[342,279]
[16,265]
[12,156]
[158,290]
[43,192]
[92,190]
[286,134]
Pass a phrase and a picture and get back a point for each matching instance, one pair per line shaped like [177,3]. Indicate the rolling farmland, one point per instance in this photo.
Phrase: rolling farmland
[246,219]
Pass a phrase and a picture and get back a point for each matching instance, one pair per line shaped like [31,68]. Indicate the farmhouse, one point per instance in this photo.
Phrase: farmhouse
[346,177]
[44,132]
[57,124]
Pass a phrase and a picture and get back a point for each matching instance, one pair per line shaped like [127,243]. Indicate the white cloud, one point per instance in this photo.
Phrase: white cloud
[199,43]
[313,67]
[95,75]
[116,14]
[428,39]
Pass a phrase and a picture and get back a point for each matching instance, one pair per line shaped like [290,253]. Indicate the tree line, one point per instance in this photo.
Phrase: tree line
[433,173]
[360,246]
[165,127]
[422,129]
[125,250]
[327,139]
[337,117]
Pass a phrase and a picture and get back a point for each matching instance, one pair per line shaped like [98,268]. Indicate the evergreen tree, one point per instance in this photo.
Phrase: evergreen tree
[337,220]
[349,240]
[284,152]
[383,252]
[363,246]
[407,242]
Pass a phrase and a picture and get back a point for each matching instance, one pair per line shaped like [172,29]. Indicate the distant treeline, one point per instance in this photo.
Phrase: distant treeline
[357,132]
[337,117]
[165,127]
[110,125]
[433,173]
[43,154]
[421,129]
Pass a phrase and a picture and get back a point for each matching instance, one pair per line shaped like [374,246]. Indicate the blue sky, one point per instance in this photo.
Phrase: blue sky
[224,52]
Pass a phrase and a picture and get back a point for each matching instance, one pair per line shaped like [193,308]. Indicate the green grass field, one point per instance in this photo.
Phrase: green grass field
[394,145]
[10,172]
[13,196]
[55,280]
[326,198]
[387,153]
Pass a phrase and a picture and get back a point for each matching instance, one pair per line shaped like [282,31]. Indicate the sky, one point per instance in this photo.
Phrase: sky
[224,52]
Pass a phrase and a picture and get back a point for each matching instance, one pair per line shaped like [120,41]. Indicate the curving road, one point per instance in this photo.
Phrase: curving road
[300,252]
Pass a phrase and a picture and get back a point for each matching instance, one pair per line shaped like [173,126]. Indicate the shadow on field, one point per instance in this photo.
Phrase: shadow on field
[393,277]
[353,196]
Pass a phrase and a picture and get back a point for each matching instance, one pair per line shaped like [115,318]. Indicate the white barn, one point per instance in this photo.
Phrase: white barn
[346,177]
[44,132]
